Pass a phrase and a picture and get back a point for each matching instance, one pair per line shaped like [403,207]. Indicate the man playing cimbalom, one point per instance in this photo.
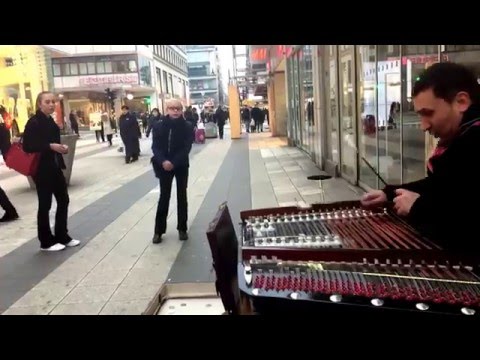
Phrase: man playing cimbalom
[447,99]
[171,145]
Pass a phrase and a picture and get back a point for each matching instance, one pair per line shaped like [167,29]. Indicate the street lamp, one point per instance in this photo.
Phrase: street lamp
[129,96]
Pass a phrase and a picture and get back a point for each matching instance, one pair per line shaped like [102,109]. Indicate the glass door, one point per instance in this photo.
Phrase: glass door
[348,133]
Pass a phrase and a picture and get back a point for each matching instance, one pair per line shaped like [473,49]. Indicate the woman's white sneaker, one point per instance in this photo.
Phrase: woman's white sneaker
[56,247]
[72,243]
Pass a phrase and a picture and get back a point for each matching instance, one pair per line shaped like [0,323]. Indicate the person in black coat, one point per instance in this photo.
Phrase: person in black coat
[42,135]
[171,145]
[220,118]
[259,118]
[129,132]
[246,117]
[5,203]
[74,122]
[154,118]
[447,98]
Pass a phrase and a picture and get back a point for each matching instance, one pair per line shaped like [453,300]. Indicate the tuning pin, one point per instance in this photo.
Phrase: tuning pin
[271,230]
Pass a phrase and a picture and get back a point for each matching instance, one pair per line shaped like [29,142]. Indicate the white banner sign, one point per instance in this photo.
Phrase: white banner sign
[96,80]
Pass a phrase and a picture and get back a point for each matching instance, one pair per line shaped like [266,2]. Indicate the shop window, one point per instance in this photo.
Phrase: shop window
[413,157]
[367,110]
[333,152]
[389,121]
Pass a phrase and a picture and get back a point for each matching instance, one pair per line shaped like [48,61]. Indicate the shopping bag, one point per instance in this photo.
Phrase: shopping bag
[22,162]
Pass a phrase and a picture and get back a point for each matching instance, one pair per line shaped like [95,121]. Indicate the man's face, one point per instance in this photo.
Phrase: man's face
[174,111]
[437,116]
[124,111]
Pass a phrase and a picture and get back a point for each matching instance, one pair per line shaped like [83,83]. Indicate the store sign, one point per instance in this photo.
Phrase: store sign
[259,54]
[422,59]
[97,80]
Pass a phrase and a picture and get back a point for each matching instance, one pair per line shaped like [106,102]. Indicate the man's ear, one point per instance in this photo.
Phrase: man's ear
[463,101]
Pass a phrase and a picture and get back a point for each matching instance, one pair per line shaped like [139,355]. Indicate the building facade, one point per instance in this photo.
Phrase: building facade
[142,77]
[82,75]
[204,74]
[171,78]
[25,71]
[351,103]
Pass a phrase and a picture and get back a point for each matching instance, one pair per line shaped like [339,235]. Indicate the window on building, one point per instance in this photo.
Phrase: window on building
[170,83]
[57,71]
[91,68]
[73,69]
[108,67]
[100,68]
[82,67]
[165,81]
[65,69]
[132,66]
[120,66]
[159,79]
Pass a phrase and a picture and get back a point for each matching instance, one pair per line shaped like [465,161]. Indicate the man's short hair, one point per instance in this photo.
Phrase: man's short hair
[125,107]
[446,80]
[174,103]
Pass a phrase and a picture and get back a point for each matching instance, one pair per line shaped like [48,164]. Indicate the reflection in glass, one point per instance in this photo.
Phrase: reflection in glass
[296,101]
[367,127]
[415,58]
[388,106]
[347,113]
[333,153]
[307,98]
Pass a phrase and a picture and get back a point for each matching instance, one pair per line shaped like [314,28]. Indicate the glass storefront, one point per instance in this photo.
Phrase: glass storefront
[367,112]
[366,106]
[25,71]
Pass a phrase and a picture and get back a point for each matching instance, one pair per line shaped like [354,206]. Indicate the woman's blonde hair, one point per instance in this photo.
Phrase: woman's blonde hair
[39,99]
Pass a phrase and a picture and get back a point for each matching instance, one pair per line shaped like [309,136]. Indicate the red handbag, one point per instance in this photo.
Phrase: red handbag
[22,162]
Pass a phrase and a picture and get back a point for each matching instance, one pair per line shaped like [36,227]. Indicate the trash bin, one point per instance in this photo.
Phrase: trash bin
[71,141]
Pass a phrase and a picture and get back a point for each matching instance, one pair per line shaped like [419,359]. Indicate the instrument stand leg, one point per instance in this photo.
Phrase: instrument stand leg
[321,191]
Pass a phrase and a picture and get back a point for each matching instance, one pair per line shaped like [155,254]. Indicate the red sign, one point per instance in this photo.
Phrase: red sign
[420,59]
[259,55]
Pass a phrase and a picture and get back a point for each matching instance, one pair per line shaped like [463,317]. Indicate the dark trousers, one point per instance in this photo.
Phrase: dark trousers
[6,204]
[99,134]
[259,125]
[247,125]
[75,129]
[53,184]
[220,130]
[166,179]
[109,138]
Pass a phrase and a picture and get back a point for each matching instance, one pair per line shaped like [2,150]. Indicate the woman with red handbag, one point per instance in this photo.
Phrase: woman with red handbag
[42,135]
[10,212]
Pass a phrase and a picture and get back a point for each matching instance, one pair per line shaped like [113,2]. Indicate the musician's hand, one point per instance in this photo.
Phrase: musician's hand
[374,198]
[404,201]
